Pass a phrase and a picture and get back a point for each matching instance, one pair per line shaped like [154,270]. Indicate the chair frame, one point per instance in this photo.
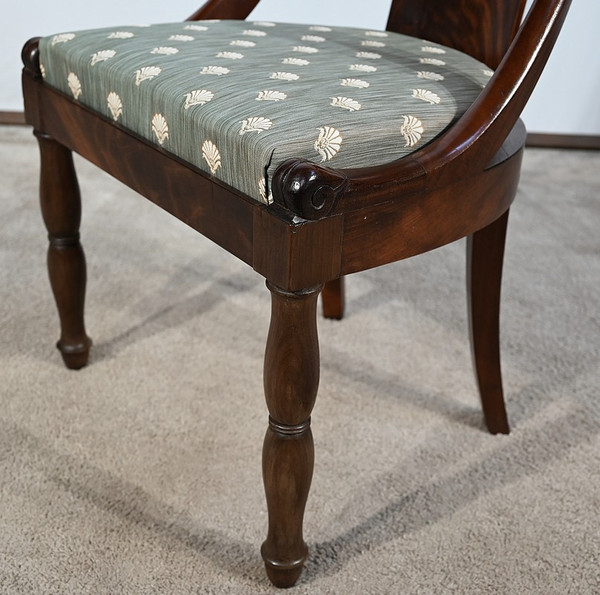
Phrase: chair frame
[326,223]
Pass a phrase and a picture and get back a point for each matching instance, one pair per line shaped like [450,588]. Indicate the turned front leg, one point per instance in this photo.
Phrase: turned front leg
[61,211]
[291,379]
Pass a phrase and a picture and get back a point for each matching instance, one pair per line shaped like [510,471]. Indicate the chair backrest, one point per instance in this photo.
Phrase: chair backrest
[483,29]
[500,104]
[489,30]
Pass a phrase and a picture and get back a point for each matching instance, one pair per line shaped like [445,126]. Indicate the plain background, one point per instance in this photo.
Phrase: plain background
[565,101]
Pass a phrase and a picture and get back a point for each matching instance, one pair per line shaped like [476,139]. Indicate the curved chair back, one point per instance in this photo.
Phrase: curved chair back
[481,28]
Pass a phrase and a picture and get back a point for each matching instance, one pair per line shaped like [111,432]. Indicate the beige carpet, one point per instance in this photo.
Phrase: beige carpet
[141,473]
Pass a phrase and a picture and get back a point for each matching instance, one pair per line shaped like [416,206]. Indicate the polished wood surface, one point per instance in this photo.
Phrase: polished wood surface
[334,299]
[323,223]
[481,28]
[224,9]
[291,379]
[485,254]
[61,211]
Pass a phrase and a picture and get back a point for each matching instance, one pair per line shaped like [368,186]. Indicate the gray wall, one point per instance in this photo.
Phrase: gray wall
[566,100]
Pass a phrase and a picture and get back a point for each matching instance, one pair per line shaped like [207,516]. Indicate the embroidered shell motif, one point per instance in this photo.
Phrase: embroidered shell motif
[160,128]
[165,50]
[62,38]
[304,49]
[102,55]
[262,188]
[284,76]
[243,43]
[196,28]
[271,96]
[215,70]
[432,50]
[358,83]
[254,33]
[115,105]
[255,125]
[121,35]
[320,28]
[296,61]
[430,76]
[313,38]
[371,43]
[230,55]
[146,73]
[429,96]
[181,38]
[376,33]
[368,55]
[74,84]
[211,155]
[328,142]
[264,24]
[363,68]
[412,130]
[432,61]
[346,103]
[198,97]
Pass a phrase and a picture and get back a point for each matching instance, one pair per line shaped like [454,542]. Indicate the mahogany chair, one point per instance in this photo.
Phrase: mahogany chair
[313,221]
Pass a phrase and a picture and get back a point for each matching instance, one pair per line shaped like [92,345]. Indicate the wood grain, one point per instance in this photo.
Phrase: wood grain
[323,224]
[61,210]
[291,380]
[481,28]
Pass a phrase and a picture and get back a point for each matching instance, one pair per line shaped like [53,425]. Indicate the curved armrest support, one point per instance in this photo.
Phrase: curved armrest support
[467,148]
[474,140]
[224,9]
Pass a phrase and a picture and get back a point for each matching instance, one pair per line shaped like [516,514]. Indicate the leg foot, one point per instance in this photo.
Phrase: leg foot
[284,578]
[334,299]
[61,211]
[485,254]
[291,379]
[75,357]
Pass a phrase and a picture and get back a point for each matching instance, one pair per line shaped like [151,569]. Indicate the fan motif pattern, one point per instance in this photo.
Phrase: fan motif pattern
[339,94]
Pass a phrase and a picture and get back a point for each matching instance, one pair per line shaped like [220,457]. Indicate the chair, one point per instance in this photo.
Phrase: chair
[310,206]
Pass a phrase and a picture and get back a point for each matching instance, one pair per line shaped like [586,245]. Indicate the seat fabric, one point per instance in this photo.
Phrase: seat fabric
[236,99]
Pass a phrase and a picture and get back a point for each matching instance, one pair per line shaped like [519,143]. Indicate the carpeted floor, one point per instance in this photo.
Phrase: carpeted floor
[141,473]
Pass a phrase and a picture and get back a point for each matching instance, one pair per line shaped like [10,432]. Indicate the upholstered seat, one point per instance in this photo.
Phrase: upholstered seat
[374,146]
[236,99]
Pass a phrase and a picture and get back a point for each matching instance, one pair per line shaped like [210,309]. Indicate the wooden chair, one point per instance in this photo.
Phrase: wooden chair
[322,223]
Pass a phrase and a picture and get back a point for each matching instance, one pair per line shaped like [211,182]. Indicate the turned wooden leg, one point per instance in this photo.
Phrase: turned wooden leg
[333,296]
[485,253]
[61,210]
[291,378]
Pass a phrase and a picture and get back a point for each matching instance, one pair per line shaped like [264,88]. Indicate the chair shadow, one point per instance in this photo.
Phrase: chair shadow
[135,506]
[177,314]
[362,371]
[430,503]
[408,514]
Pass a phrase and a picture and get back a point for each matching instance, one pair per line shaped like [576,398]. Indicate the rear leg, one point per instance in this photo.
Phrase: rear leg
[485,255]
[334,299]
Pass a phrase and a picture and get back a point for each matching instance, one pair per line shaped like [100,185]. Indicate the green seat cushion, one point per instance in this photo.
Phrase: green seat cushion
[236,98]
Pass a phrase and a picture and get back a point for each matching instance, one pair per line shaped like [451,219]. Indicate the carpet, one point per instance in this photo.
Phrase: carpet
[141,473]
